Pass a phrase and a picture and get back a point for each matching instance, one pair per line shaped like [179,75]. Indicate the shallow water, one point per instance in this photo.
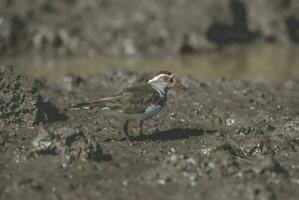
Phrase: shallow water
[255,62]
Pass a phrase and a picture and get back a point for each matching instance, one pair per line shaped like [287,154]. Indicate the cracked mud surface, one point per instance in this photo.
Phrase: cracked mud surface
[217,140]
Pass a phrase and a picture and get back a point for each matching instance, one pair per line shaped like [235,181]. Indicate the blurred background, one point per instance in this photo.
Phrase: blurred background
[207,39]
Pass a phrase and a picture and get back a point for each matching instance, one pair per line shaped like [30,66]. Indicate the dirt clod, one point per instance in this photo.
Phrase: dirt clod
[69,143]
[20,101]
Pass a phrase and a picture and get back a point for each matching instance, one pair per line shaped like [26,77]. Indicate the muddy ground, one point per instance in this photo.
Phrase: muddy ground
[217,140]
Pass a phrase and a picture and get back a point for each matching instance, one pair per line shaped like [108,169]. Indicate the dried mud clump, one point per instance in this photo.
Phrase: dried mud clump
[20,101]
[69,143]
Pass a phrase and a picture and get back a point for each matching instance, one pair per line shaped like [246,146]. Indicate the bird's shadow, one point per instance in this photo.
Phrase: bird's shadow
[172,134]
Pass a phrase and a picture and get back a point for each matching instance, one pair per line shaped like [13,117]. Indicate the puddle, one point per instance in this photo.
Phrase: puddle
[256,62]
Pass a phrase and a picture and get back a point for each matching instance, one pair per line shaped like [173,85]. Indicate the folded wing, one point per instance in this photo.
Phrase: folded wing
[130,100]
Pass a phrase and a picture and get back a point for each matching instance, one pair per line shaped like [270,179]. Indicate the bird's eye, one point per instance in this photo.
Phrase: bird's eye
[165,78]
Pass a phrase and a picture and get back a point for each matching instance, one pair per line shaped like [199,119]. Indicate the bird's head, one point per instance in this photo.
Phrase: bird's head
[164,80]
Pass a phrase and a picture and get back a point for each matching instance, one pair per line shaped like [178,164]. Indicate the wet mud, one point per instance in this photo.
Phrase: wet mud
[216,140]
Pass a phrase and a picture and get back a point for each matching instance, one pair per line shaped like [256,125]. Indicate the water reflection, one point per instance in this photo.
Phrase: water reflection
[258,63]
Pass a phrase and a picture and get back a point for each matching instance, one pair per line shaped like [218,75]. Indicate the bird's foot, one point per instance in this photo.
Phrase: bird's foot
[140,131]
[129,140]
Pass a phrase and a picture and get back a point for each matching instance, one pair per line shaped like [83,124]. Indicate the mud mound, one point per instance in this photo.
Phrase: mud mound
[70,144]
[20,101]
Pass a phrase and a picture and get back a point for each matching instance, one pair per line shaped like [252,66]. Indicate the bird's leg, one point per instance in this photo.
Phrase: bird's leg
[125,129]
[140,128]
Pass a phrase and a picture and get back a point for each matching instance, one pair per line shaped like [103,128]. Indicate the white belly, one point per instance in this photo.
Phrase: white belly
[152,110]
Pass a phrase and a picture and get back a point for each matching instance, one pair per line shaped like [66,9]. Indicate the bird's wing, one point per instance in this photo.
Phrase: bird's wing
[130,100]
[88,105]
[133,100]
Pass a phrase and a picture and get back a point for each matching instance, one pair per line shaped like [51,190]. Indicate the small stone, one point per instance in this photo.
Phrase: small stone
[172,149]
[193,183]
[161,181]
[230,122]
[191,161]
[125,183]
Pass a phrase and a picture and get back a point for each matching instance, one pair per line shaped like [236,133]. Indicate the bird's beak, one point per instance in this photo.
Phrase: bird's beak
[178,84]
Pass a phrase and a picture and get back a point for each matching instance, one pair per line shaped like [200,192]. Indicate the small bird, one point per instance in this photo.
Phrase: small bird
[136,103]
